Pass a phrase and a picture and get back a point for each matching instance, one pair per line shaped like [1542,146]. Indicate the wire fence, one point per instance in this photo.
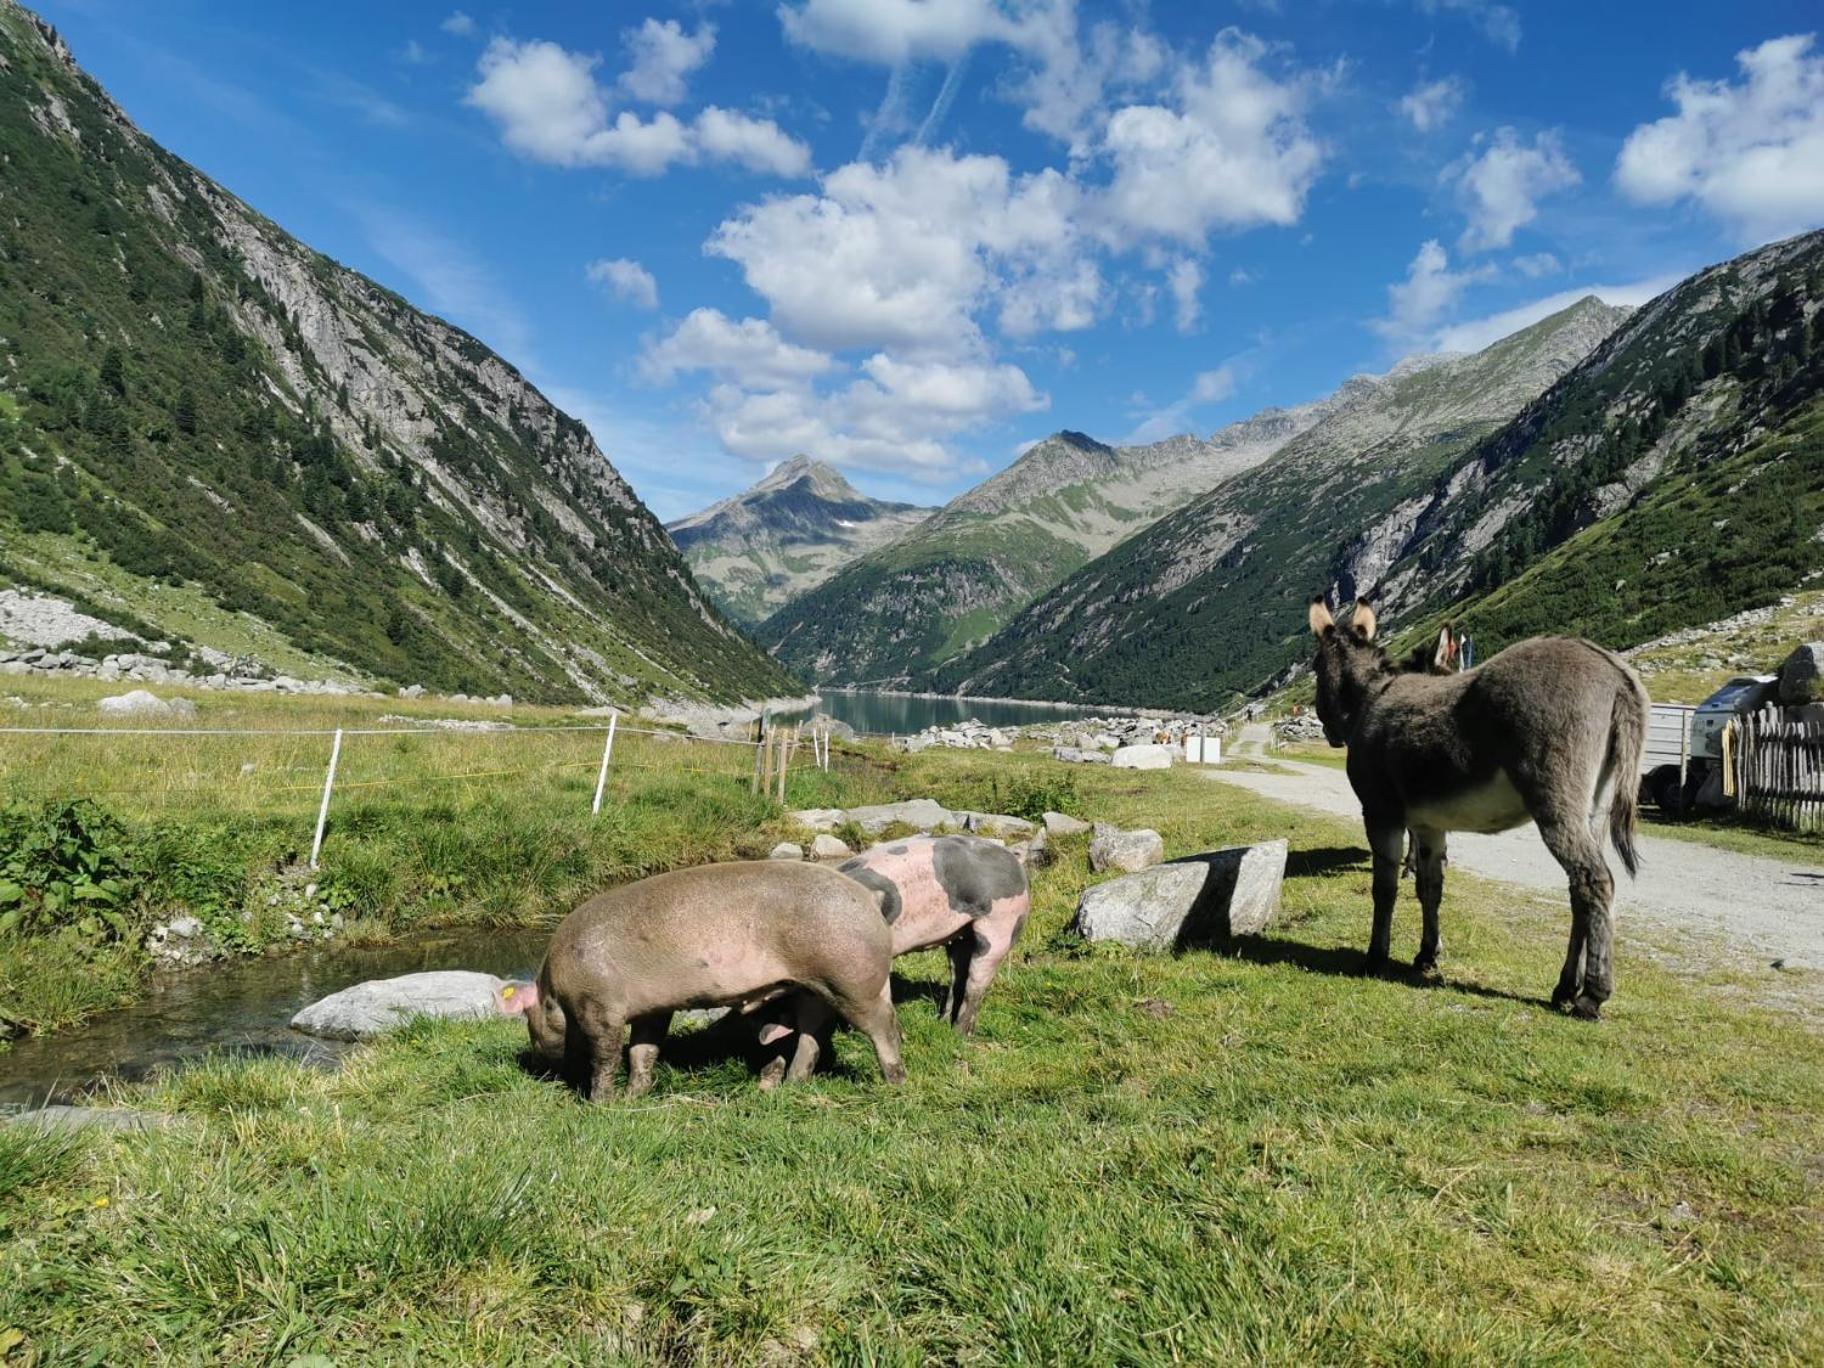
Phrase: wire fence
[301,773]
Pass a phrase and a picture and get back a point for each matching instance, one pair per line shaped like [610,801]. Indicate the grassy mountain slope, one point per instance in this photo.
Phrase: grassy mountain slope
[1205,602]
[787,534]
[1676,478]
[212,434]
[893,615]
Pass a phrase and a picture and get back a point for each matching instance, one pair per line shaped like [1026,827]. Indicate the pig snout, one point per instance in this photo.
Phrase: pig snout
[516,999]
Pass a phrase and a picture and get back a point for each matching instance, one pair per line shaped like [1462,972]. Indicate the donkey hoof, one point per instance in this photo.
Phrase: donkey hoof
[1563,997]
[1426,966]
[1586,1009]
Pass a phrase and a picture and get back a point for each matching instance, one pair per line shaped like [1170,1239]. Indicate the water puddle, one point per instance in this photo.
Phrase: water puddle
[242,1006]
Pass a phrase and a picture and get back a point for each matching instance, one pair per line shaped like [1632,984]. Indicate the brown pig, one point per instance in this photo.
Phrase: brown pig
[719,935]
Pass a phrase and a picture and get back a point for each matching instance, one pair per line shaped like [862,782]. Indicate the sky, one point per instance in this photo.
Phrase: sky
[912,237]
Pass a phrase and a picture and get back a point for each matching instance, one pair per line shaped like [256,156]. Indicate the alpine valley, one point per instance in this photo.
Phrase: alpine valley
[214,437]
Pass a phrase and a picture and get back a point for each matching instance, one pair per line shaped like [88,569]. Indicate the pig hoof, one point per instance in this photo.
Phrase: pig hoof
[772,1075]
[895,1075]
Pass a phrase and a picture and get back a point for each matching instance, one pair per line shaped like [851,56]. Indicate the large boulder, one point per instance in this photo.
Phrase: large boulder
[818,819]
[1202,899]
[1802,675]
[1059,824]
[145,703]
[828,847]
[381,1005]
[926,814]
[1149,757]
[994,824]
[1131,851]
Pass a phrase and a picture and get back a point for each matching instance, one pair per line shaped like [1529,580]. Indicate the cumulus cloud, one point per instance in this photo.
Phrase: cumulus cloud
[458,24]
[549,107]
[1500,188]
[750,352]
[890,32]
[625,279]
[1231,150]
[1433,104]
[663,58]
[1430,290]
[1538,265]
[1749,152]
[904,255]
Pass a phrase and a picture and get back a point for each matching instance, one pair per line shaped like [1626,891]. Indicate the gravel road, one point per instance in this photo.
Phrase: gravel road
[1771,909]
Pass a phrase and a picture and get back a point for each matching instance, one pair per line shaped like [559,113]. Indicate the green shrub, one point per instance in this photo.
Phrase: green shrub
[66,864]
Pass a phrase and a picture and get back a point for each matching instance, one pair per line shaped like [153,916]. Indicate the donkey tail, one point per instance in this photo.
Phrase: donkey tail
[1627,737]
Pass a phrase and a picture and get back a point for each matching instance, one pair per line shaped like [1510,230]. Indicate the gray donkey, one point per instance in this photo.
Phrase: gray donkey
[1551,729]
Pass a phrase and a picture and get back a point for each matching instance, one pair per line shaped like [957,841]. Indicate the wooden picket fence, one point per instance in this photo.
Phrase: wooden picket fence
[1779,770]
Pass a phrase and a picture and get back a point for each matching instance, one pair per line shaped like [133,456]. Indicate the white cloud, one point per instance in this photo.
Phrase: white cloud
[904,255]
[1232,152]
[414,53]
[1750,153]
[1432,105]
[627,280]
[550,108]
[458,24]
[1431,289]
[1476,333]
[1185,279]
[1064,299]
[1208,387]
[891,32]
[758,144]
[1538,265]
[663,57]
[1499,23]
[750,352]
[1501,187]
[1241,276]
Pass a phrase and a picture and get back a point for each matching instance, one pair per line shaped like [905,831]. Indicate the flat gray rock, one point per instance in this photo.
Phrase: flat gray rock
[1058,824]
[818,819]
[64,1118]
[828,847]
[926,814]
[786,850]
[381,1005]
[1129,851]
[1142,757]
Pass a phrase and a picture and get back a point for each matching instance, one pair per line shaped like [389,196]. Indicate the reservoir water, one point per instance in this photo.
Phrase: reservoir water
[879,713]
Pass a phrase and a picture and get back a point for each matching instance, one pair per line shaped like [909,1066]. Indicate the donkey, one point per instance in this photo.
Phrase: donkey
[1549,730]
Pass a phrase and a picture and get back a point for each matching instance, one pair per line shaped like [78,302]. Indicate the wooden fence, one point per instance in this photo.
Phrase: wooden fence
[1779,769]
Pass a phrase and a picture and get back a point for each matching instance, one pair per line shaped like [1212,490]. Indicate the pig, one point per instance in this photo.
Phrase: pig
[960,892]
[722,934]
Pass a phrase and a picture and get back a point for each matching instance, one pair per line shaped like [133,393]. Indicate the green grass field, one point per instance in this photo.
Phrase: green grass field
[1259,1155]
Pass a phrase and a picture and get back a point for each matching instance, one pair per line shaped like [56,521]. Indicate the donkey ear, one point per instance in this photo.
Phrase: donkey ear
[1321,621]
[1363,620]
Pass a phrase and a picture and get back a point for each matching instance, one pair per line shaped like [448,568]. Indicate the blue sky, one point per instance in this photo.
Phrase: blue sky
[912,236]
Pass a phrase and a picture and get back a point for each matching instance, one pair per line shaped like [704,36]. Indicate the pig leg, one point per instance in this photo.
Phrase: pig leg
[961,950]
[876,1019]
[773,1035]
[593,1041]
[648,1034]
[991,938]
[812,1017]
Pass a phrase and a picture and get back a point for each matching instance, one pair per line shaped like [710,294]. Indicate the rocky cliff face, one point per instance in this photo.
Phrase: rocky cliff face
[206,428]
[1207,600]
[894,615]
[786,535]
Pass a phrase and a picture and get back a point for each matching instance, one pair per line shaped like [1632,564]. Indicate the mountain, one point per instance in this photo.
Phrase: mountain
[897,613]
[1206,602]
[787,534]
[213,435]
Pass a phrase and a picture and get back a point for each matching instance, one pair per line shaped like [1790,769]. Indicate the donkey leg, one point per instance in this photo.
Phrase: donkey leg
[1428,851]
[1388,842]
[1592,888]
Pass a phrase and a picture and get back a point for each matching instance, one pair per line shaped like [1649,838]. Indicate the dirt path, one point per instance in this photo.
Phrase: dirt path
[1771,909]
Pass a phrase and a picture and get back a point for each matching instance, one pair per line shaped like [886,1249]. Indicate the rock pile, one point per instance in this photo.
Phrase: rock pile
[1303,727]
[969,735]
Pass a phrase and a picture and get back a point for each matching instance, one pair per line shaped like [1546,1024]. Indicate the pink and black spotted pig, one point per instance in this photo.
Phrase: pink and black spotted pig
[960,892]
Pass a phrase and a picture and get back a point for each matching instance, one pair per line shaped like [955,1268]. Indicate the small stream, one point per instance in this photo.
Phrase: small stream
[240,1005]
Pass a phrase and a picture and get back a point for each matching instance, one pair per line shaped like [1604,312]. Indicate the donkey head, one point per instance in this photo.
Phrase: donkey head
[1348,663]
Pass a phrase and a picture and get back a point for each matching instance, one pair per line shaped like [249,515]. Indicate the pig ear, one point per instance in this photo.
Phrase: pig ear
[1321,621]
[880,900]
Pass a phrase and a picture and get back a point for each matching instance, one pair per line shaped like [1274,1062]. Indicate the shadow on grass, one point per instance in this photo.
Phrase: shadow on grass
[1348,962]
[1306,864]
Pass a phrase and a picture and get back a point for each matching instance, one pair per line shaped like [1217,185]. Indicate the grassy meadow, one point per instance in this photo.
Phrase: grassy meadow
[1259,1155]
[434,829]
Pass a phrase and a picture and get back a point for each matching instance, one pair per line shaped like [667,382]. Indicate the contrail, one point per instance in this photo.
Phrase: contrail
[946,95]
